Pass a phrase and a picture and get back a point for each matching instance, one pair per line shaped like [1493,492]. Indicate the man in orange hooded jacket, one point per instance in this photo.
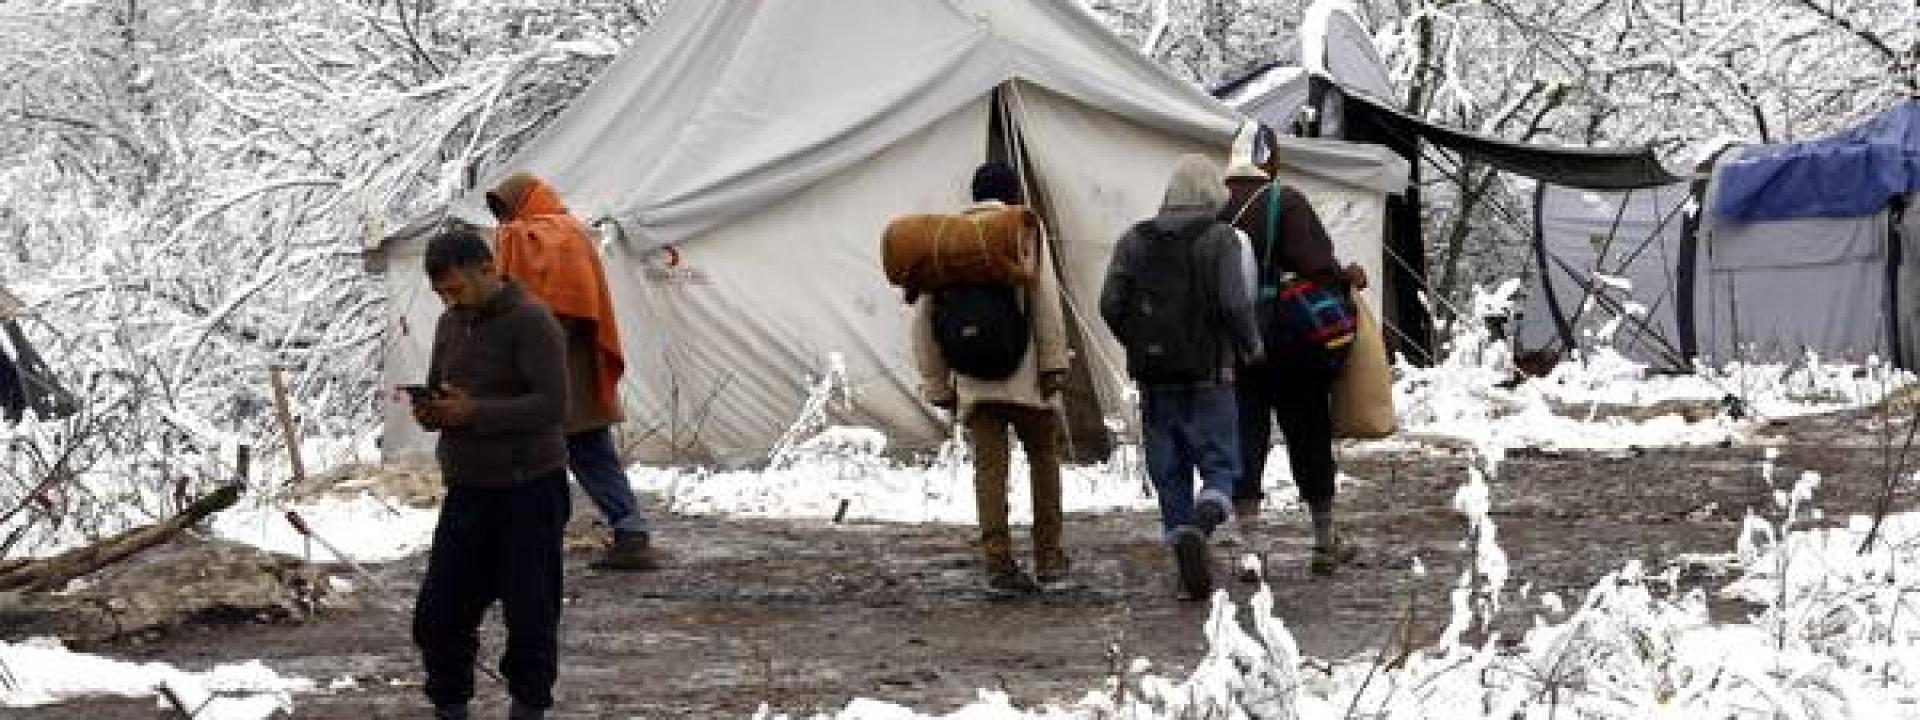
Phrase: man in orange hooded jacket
[548,251]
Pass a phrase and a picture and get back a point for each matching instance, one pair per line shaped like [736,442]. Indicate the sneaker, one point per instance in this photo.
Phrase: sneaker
[1326,560]
[1012,581]
[1209,514]
[525,712]
[1195,563]
[630,551]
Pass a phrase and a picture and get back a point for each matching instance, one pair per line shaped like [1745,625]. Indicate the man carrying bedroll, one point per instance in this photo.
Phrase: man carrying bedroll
[547,251]
[996,386]
[496,393]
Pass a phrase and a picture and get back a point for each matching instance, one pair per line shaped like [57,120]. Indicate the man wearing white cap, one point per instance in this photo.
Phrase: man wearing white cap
[1291,383]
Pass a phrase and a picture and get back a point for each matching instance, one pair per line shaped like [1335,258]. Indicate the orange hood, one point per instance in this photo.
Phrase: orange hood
[551,253]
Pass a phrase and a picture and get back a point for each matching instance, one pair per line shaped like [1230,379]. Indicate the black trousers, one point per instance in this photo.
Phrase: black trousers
[1300,397]
[495,544]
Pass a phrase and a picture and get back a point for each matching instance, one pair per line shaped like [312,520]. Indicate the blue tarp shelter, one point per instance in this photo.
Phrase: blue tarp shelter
[1849,174]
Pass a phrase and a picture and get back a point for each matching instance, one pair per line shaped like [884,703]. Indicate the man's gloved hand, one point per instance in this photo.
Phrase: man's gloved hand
[1053,382]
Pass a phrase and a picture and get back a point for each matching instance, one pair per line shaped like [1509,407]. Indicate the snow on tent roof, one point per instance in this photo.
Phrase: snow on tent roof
[722,108]
[1332,42]
[1851,173]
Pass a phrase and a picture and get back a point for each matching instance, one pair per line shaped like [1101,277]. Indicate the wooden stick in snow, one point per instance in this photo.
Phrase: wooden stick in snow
[287,430]
[300,524]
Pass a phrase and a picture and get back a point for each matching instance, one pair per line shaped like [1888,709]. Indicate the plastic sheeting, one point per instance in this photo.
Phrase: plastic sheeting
[1850,174]
[1908,292]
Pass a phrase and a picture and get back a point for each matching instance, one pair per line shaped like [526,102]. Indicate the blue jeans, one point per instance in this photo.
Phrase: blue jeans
[1190,428]
[596,466]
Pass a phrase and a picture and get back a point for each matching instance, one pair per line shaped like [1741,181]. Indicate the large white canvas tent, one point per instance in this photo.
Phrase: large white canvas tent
[742,158]
[1777,250]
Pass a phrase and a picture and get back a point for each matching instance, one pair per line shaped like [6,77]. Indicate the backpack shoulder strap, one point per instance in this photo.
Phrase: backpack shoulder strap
[1273,228]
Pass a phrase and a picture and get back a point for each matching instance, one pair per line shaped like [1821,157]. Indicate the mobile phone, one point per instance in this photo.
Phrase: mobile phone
[419,393]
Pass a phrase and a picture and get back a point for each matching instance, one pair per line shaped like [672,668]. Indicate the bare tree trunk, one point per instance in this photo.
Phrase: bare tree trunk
[1475,181]
[1423,68]
[54,572]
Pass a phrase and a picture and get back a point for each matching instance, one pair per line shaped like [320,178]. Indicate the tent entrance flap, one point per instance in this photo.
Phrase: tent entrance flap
[1083,415]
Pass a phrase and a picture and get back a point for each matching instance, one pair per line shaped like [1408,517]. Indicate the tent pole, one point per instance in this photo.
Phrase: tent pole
[1559,314]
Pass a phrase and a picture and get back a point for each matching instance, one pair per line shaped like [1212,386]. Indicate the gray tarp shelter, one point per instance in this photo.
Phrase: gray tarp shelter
[1725,288]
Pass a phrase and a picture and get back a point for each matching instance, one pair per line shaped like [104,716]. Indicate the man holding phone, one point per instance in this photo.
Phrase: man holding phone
[497,393]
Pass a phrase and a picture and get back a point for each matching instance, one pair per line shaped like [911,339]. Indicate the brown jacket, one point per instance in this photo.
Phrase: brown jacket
[583,378]
[1047,352]
[508,354]
[1302,245]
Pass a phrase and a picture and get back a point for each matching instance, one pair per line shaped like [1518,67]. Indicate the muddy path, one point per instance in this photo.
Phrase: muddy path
[807,615]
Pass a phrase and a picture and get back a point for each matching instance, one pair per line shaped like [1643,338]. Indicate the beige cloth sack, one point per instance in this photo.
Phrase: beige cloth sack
[1363,393]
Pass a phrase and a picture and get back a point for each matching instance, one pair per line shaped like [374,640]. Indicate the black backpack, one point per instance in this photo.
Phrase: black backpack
[1168,325]
[981,329]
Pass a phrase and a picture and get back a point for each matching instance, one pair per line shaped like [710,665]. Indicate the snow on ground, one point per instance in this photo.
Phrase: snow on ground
[1828,643]
[367,528]
[42,672]
[875,489]
[1597,401]
[1579,405]
[1833,636]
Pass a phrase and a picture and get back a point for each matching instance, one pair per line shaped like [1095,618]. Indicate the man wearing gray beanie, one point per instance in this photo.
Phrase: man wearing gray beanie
[1176,298]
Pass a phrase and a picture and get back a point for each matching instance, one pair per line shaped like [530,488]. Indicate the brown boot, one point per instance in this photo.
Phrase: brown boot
[1326,559]
[630,551]
[1050,566]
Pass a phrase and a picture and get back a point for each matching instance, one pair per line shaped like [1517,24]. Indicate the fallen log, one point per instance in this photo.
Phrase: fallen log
[55,572]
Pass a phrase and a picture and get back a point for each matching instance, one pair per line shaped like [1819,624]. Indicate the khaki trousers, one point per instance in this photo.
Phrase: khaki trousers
[1039,433]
